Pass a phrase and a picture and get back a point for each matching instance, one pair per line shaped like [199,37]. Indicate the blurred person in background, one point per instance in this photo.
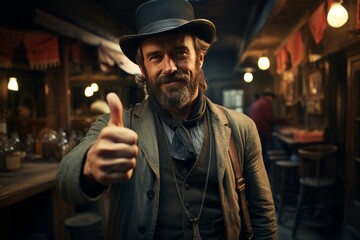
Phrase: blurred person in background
[261,112]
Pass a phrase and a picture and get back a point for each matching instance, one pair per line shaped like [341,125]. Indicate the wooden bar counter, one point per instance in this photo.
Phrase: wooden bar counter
[32,179]
[29,200]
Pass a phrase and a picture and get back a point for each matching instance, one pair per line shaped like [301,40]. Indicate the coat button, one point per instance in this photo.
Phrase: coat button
[150,194]
[142,229]
[188,205]
[187,186]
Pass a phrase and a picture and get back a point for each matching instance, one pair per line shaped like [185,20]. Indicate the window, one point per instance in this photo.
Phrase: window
[233,99]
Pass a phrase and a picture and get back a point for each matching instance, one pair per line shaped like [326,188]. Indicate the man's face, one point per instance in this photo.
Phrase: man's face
[172,69]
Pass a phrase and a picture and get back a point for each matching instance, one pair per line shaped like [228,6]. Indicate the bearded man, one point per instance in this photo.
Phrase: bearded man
[165,163]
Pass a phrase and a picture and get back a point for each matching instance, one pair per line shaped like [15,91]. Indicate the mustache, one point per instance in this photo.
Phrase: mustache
[178,76]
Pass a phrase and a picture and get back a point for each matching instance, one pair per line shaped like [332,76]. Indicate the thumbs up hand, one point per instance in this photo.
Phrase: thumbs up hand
[112,158]
[116,110]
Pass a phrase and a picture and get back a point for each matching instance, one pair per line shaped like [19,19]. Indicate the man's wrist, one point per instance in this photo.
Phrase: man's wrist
[90,186]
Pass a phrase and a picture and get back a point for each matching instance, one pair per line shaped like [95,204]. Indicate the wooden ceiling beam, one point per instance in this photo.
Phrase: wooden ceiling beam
[67,29]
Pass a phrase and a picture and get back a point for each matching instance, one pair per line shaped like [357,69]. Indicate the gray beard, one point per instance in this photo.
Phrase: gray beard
[178,97]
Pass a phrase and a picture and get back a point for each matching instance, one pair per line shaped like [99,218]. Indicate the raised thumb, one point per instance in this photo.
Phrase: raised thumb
[116,110]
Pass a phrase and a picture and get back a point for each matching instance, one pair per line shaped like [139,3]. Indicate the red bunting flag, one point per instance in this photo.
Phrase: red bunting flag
[329,2]
[317,23]
[282,60]
[42,49]
[9,42]
[295,46]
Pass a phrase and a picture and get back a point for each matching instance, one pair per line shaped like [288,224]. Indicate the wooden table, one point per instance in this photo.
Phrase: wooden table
[292,145]
[31,180]
[293,142]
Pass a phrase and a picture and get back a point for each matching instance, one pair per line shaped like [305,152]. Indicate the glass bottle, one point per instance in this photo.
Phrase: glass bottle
[4,142]
[29,146]
[49,139]
[4,145]
[63,145]
[15,141]
[3,125]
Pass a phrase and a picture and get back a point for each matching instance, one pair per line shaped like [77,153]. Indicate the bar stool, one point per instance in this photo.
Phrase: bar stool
[289,173]
[273,152]
[84,226]
[273,157]
[314,160]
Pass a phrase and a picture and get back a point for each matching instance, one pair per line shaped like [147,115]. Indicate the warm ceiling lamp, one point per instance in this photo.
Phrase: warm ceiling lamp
[337,15]
[264,63]
[13,84]
[94,87]
[88,92]
[248,77]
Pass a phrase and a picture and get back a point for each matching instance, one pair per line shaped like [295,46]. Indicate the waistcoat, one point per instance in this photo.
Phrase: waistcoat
[173,222]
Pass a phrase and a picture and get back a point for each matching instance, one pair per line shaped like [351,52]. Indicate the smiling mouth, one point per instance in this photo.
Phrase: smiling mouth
[173,83]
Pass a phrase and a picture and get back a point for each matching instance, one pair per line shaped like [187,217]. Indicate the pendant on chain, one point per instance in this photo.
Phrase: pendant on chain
[196,230]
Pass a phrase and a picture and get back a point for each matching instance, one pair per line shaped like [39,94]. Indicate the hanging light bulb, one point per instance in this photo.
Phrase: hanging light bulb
[13,84]
[248,77]
[337,15]
[263,63]
[94,87]
[88,92]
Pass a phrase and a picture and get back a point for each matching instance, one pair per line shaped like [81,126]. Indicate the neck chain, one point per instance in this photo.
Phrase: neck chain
[194,220]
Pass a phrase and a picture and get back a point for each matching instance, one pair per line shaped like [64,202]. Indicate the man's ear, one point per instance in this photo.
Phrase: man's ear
[141,70]
[201,59]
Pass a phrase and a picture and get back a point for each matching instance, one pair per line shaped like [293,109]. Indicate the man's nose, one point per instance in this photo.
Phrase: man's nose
[169,65]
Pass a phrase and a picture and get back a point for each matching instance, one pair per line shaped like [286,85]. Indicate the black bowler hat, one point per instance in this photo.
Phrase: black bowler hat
[160,16]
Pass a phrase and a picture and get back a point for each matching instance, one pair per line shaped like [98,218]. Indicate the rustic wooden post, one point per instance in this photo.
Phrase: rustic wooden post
[57,93]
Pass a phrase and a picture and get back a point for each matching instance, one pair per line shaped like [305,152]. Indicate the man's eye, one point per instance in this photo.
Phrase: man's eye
[155,57]
[180,54]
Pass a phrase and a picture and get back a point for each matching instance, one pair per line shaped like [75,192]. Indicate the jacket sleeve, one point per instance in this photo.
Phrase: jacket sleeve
[258,191]
[71,166]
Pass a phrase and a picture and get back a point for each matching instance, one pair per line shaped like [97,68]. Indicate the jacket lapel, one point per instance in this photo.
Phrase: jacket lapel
[144,125]
[222,133]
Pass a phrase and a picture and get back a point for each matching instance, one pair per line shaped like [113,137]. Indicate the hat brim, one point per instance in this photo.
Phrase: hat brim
[202,28]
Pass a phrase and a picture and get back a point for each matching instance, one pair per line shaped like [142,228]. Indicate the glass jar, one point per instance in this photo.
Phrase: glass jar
[10,159]
[49,145]
[13,159]
[29,146]
[46,144]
